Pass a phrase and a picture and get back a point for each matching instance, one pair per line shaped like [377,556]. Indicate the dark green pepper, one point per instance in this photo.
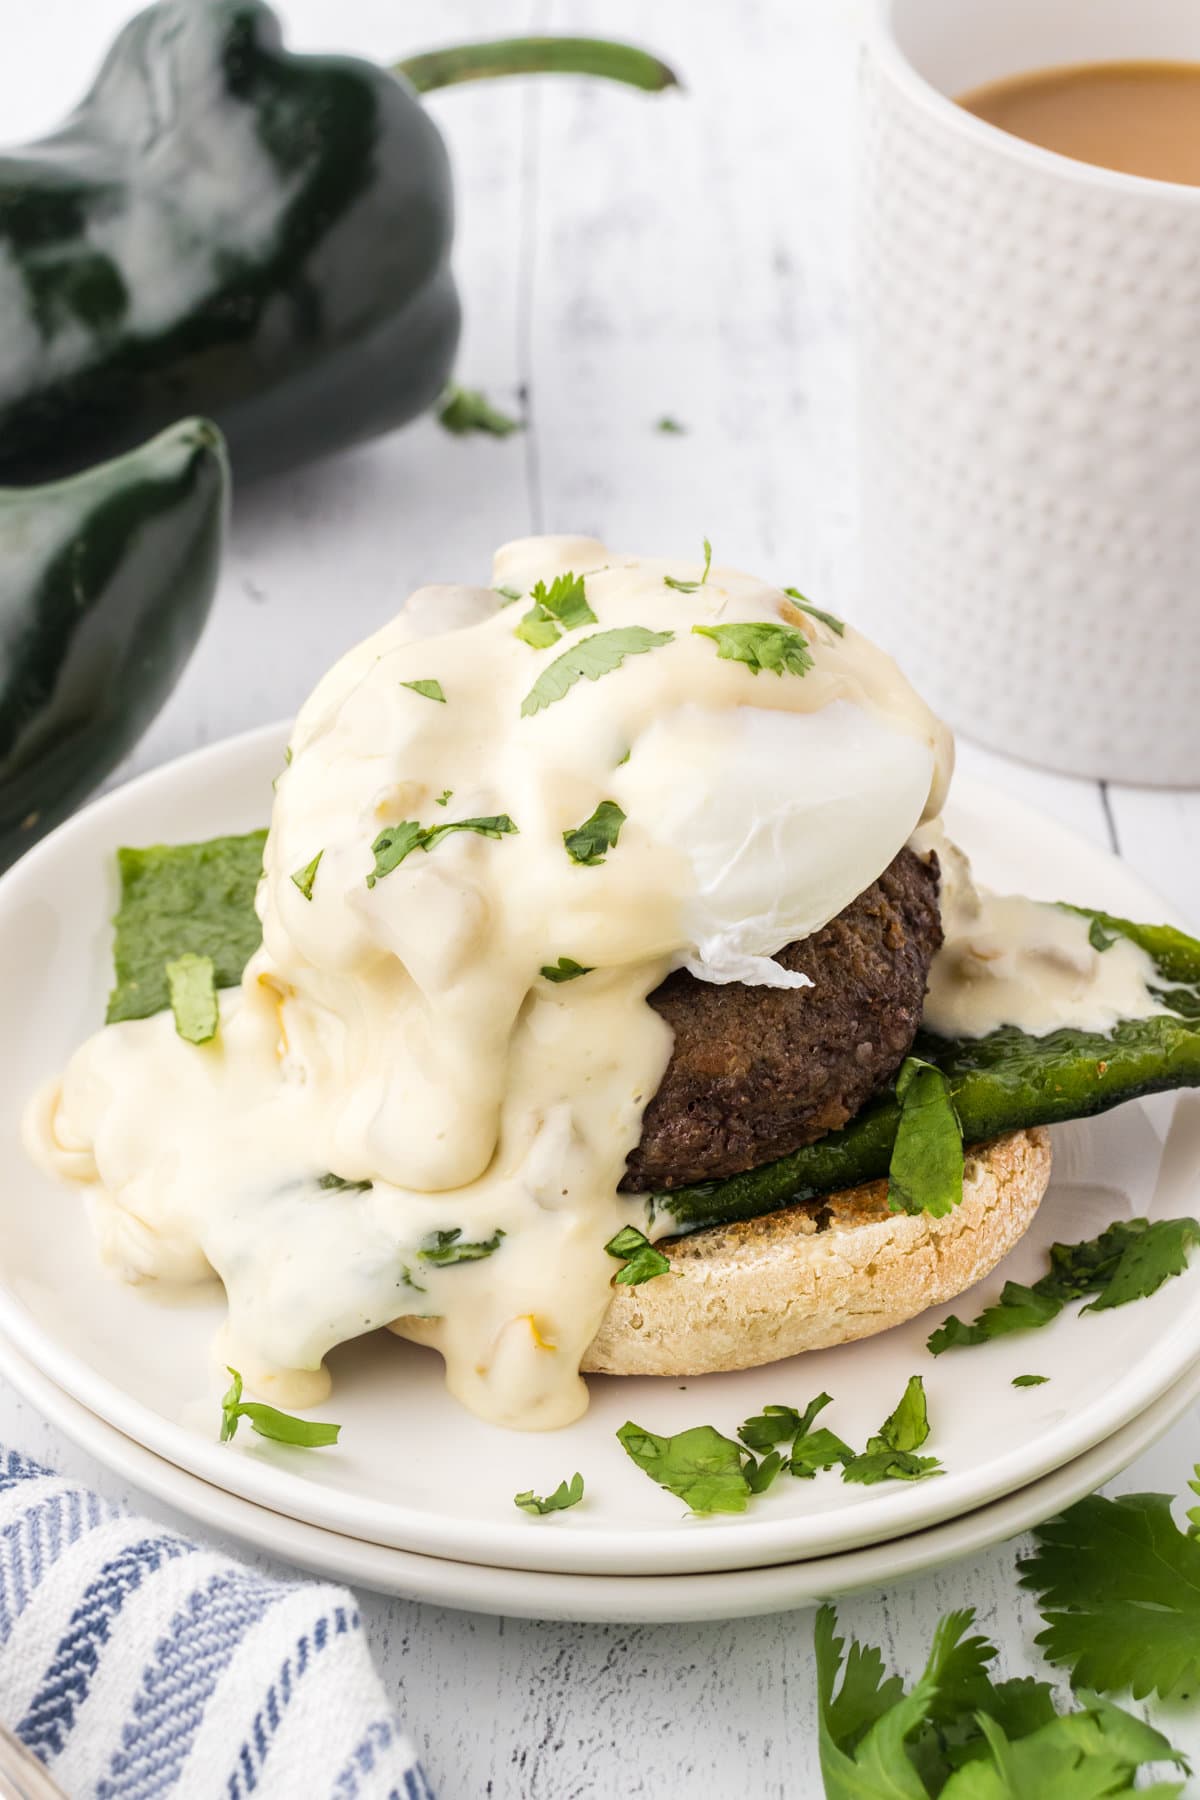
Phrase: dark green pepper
[105,583]
[225,228]
[998,1083]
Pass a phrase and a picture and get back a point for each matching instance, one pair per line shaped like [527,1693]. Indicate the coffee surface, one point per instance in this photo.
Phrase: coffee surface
[1139,117]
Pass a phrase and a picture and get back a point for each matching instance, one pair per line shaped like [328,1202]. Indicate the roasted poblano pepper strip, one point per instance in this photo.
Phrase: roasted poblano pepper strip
[998,1083]
[105,584]
[227,228]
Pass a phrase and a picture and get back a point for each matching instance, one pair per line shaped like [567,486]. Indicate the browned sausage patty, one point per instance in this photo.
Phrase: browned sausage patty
[756,1072]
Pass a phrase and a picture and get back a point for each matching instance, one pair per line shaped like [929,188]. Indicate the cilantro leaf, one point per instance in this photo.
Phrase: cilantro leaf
[588,660]
[1098,937]
[340,1184]
[567,1493]
[565,969]
[193,991]
[444,1248]
[429,690]
[498,825]
[391,847]
[691,587]
[826,618]
[775,1424]
[889,1455]
[305,877]
[462,410]
[1029,1380]
[445,797]
[590,842]
[643,1262]
[670,427]
[926,1170]
[1118,1586]
[398,841]
[1130,1259]
[816,1450]
[563,606]
[963,1736]
[760,1475]
[269,1422]
[779,648]
[700,1467]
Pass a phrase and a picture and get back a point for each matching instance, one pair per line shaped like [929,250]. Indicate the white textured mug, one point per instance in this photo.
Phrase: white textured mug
[1030,380]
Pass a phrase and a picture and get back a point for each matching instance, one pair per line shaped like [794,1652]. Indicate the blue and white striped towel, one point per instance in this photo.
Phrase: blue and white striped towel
[136,1664]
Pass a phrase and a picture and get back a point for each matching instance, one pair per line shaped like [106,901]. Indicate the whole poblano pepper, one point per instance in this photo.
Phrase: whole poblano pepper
[223,227]
[105,583]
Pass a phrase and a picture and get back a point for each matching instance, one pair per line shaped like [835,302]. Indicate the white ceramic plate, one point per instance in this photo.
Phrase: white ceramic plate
[415,1471]
[601,1599]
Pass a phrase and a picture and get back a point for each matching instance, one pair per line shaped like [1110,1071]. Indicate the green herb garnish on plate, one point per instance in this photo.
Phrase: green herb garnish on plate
[269,1422]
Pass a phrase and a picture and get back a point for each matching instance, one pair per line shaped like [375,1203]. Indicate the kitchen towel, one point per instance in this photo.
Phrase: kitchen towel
[136,1664]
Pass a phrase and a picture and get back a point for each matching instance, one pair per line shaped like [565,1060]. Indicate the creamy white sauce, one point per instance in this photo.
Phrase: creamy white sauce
[402,1034]
[1007,960]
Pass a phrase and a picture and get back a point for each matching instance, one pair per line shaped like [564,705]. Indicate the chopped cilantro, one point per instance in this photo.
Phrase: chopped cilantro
[462,410]
[508,594]
[589,842]
[643,1261]
[670,427]
[561,607]
[269,1422]
[1118,1585]
[193,994]
[1029,1380]
[588,660]
[406,1277]
[889,1455]
[398,841]
[177,898]
[444,798]
[444,1248]
[339,1184]
[565,969]
[700,1467]
[567,1493]
[775,1424]
[779,648]
[429,690]
[962,1735]
[926,1170]
[826,618]
[692,587]
[1129,1260]
[304,878]
[1099,938]
[813,1451]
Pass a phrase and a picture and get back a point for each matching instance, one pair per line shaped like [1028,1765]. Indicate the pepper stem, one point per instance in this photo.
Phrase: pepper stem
[537,56]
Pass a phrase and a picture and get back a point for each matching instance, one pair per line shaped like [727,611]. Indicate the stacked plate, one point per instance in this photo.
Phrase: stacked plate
[417,1498]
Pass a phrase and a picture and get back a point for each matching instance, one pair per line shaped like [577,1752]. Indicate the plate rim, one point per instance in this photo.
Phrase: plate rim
[691,1598]
[698,1547]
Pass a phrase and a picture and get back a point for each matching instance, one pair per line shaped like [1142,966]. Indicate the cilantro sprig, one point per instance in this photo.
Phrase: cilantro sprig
[563,606]
[396,842]
[588,844]
[1118,1586]
[781,649]
[642,1260]
[926,1170]
[269,1422]
[1129,1260]
[691,587]
[191,984]
[963,1735]
[815,612]
[567,1493]
[588,660]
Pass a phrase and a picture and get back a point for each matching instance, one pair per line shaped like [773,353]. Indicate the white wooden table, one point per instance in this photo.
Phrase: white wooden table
[620,258]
